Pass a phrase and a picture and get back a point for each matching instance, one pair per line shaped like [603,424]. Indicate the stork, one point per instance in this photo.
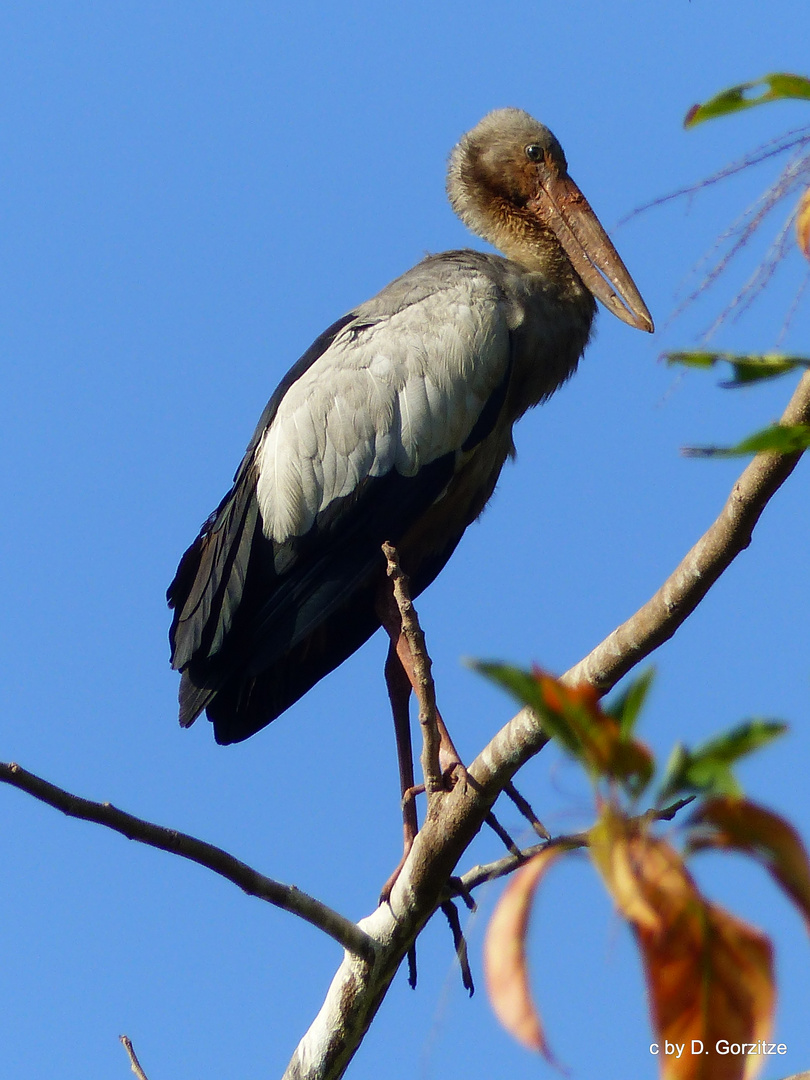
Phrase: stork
[393,426]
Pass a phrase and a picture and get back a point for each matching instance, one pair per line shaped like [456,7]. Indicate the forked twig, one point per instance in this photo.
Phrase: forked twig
[477,875]
[288,897]
[460,942]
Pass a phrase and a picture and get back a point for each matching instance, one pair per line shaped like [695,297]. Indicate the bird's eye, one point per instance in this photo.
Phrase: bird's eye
[535,152]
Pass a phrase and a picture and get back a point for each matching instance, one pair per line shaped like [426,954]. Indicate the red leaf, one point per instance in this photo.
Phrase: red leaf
[505,965]
[709,974]
[739,825]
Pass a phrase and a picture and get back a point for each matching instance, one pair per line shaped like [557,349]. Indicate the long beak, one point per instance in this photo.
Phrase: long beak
[562,206]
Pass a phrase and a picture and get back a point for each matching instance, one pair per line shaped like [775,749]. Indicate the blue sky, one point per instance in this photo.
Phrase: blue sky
[190,194]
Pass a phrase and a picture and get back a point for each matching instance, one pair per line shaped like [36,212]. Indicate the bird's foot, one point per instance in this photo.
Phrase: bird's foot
[409,795]
[385,892]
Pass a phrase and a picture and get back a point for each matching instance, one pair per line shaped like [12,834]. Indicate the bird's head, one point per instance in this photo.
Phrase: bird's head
[508,182]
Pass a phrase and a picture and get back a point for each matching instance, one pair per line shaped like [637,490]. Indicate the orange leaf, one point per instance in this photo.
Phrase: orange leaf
[710,980]
[709,975]
[603,746]
[612,846]
[505,965]
[803,224]
[743,826]
[558,695]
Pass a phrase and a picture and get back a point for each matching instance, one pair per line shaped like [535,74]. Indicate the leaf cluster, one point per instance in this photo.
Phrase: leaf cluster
[748,369]
[751,368]
[600,739]
[709,974]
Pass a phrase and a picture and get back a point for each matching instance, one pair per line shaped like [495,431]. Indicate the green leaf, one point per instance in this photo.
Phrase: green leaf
[671,784]
[694,359]
[627,705]
[741,740]
[707,769]
[778,438]
[519,683]
[712,777]
[778,86]
[684,774]
[747,368]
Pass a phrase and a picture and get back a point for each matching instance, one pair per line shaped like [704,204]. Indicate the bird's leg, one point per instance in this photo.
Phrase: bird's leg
[449,760]
[399,694]
[396,612]
[441,762]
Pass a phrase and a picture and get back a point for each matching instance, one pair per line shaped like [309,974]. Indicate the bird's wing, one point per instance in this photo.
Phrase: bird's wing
[207,588]
[394,392]
[362,436]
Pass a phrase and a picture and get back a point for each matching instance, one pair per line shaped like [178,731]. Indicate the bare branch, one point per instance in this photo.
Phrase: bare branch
[786,141]
[425,687]
[357,989]
[288,897]
[376,946]
[502,834]
[478,875]
[135,1065]
[499,868]
[525,808]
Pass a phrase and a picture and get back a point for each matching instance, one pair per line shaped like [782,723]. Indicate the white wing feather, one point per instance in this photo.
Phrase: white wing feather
[399,393]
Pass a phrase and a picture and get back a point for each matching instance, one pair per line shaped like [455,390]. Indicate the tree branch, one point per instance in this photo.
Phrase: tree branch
[477,875]
[375,947]
[288,897]
[134,1064]
[456,816]
[425,689]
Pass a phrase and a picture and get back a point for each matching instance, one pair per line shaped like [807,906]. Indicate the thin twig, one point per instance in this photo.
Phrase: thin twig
[740,233]
[491,871]
[796,137]
[425,688]
[502,834]
[478,875]
[669,812]
[135,1065]
[794,307]
[456,887]
[451,914]
[288,897]
[524,807]
[429,717]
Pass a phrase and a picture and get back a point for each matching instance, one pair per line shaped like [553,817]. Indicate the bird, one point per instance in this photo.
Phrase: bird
[393,426]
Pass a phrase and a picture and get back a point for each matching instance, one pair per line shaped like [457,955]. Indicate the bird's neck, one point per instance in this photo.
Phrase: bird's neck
[525,241]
